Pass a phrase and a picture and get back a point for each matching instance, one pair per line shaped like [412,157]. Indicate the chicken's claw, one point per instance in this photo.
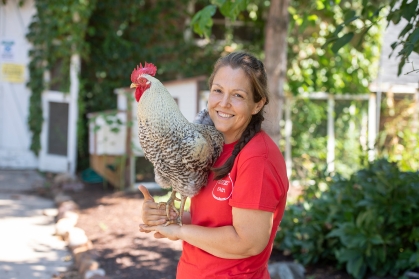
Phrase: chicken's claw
[170,204]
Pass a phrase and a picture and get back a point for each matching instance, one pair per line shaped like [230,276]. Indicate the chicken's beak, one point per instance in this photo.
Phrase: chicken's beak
[133,85]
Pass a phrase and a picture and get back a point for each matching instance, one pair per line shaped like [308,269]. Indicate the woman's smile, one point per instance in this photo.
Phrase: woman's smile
[224,115]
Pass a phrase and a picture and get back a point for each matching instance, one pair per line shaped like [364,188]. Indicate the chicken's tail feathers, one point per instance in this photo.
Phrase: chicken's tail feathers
[204,118]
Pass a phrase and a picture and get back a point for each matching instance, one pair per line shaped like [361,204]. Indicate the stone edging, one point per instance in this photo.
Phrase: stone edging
[82,250]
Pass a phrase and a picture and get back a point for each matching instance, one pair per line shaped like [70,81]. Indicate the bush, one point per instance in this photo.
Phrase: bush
[368,223]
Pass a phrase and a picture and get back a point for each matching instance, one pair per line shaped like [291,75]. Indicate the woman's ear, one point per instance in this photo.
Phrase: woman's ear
[259,106]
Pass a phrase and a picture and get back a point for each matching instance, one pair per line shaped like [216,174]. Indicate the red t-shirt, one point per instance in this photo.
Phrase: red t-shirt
[258,180]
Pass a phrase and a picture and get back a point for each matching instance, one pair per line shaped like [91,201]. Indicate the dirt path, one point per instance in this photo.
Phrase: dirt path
[110,221]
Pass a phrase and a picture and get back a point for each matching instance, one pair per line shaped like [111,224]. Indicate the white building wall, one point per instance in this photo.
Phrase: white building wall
[15,137]
[186,95]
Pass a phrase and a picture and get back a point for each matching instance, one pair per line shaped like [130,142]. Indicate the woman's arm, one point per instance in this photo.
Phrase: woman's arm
[248,235]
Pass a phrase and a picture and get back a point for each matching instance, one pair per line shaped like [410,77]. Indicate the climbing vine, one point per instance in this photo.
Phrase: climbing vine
[56,32]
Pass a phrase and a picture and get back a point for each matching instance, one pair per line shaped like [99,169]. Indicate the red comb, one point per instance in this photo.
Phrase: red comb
[148,69]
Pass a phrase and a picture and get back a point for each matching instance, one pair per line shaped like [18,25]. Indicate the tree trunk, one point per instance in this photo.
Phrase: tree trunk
[276,65]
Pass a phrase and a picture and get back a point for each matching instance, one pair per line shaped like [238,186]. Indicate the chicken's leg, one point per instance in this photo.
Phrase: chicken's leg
[170,204]
[182,206]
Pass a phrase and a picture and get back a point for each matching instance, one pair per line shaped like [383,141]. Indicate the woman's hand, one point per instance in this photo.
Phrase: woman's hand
[171,231]
[153,214]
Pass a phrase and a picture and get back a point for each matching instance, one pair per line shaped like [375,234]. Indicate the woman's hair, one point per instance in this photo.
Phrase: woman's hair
[256,73]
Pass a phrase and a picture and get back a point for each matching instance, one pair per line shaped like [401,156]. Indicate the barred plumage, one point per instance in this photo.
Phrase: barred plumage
[181,152]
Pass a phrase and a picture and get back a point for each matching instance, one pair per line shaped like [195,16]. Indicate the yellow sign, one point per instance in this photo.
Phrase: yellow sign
[12,72]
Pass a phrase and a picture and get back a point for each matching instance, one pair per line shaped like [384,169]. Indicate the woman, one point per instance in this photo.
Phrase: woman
[233,220]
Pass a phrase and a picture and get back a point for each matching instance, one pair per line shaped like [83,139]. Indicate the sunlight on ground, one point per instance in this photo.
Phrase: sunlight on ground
[177,203]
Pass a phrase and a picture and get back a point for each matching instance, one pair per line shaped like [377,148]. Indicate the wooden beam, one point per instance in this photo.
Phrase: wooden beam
[325,96]
[372,131]
[288,134]
[331,133]
[73,113]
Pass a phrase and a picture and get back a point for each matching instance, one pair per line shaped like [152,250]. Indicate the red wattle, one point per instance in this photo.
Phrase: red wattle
[138,93]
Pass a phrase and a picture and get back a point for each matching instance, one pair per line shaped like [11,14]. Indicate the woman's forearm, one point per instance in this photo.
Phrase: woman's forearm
[247,236]
[223,242]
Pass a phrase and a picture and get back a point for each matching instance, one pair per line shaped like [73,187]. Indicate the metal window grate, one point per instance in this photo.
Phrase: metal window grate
[58,128]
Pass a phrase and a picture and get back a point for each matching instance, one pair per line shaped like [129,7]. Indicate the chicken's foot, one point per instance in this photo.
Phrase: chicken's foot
[170,204]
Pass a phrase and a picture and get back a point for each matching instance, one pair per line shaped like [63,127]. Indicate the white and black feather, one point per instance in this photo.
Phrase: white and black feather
[181,152]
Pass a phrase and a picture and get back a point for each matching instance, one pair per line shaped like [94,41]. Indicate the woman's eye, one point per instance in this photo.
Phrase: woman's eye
[238,96]
[216,90]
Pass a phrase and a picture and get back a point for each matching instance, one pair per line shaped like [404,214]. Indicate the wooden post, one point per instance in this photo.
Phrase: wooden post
[416,113]
[372,130]
[128,148]
[378,111]
[73,113]
[288,134]
[330,134]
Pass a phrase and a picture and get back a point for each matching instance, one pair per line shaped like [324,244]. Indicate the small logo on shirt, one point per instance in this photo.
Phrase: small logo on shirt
[223,189]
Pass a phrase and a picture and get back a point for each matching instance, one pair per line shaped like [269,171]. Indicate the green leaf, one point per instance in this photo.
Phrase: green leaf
[350,20]
[340,42]
[376,239]
[218,3]
[395,17]
[338,29]
[406,29]
[350,16]
[202,21]
[232,9]
[394,45]
[348,254]
[409,11]
[319,5]
[407,50]
[414,37]
[353,267]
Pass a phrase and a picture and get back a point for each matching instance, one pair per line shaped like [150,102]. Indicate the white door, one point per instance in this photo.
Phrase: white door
[55,136]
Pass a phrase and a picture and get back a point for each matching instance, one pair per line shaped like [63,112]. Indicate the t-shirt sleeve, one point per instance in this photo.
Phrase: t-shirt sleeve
[257,185]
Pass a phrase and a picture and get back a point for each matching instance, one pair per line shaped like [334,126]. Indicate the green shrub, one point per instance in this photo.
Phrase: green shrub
[368,223]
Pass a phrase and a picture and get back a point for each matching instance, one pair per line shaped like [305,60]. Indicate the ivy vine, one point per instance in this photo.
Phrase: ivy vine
[56,32]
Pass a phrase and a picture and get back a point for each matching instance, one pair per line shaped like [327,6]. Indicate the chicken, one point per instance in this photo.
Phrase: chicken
[181,152]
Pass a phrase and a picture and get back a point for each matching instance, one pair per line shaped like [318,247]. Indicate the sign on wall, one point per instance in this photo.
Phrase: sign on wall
[7,49]
[12,73]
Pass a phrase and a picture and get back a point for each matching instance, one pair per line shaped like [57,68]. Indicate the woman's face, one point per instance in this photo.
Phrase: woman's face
[230,102]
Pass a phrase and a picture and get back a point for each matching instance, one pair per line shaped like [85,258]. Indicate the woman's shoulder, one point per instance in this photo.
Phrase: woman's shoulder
[260,145]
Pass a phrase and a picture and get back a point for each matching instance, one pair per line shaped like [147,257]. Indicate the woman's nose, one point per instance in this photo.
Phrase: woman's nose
[225,101]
